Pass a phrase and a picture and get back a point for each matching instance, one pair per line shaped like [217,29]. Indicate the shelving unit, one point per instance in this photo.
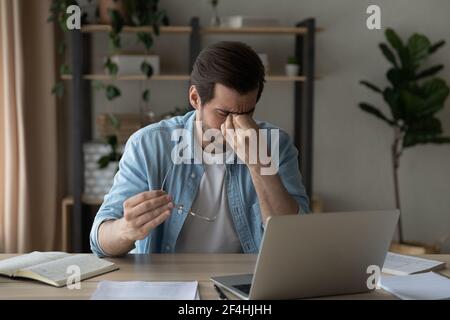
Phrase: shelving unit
[304,33]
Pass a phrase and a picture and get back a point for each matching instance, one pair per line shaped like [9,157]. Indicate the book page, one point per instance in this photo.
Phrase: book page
[9,266]
[58,271]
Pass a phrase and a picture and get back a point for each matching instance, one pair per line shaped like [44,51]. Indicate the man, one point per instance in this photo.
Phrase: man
[159,204]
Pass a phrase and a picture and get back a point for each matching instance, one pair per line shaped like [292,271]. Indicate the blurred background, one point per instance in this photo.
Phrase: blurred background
[69,100]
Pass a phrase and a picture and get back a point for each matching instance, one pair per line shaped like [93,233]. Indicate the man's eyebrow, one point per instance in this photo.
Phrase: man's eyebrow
[237,113]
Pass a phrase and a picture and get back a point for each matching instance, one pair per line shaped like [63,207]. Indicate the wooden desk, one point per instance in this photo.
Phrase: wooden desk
[179,267]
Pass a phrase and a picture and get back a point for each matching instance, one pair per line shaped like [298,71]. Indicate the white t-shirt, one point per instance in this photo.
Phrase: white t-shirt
[219,236]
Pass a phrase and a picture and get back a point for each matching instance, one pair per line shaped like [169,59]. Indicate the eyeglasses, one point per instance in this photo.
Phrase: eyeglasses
[180,208]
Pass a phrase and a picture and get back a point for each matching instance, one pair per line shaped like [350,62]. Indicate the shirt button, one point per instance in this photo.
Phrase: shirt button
[167,248]
[193,175]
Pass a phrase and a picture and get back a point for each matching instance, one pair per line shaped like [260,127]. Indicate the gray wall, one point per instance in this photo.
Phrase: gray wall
[352,168]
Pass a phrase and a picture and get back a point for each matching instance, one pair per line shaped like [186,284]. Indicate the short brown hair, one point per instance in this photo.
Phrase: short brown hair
[230,63]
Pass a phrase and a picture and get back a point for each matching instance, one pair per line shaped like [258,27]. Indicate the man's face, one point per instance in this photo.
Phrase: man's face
[226,101]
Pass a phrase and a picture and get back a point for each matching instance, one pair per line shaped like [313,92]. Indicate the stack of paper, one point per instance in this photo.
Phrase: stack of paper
[424,286]
[138,290]
[398,264]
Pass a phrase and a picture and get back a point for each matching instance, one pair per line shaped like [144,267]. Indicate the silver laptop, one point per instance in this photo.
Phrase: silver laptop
[316,255]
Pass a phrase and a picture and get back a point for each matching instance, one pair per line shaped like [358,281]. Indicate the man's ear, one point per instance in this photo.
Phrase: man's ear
[194,98]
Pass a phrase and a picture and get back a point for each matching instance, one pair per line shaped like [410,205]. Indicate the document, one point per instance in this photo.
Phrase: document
[423,286]
[139,290]
[399,264]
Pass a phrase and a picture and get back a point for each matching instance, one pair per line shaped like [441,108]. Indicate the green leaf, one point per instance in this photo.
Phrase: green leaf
[115,122]
[58,89]
[147,69]
[112,92]
[392,99]
[388,54]
[112,141]
[429,72]
[377,113]
[64,69]
[112,67]
[146,39]
[370,86]
[436,46]
[418,47]
[395,77]
[394,40]
[413,103]
[440,140]
[103,162]
[146,95]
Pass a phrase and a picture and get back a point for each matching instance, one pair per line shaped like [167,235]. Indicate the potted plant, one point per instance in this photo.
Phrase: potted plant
[292,67]
[105,6]
[414,96]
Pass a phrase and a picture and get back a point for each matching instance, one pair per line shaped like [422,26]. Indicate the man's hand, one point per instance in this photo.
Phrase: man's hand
[144,212]
[242,134]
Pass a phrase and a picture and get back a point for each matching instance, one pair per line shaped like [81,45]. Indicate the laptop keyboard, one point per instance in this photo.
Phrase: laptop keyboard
[243,287]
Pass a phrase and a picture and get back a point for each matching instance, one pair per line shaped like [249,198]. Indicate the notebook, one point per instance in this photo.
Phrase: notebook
[424,286]
[139,290]
[398,264]
[54,268]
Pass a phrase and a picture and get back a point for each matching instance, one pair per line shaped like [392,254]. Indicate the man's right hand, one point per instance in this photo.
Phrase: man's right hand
[143,213]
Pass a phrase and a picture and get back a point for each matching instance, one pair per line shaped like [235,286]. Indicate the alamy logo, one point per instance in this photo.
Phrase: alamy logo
[374,20]
[73,281]
[73,21]
[373,281]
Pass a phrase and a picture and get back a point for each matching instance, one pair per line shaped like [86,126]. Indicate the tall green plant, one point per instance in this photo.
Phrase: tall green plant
[414,96]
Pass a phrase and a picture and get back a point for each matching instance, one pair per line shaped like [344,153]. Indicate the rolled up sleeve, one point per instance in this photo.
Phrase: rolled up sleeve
[131,179]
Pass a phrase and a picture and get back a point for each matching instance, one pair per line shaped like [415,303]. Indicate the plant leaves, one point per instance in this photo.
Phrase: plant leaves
[146,95]
[377,113]
[436,46]
[103,162]
[146,39]
[58,89]
[147,69]
[370,86]
[394,40]
[429,72]
[115,122]
[112,67]
[418,47]
[112,92]
[388,54]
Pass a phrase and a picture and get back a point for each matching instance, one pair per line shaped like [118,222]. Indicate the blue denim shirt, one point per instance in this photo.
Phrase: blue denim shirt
[147,159]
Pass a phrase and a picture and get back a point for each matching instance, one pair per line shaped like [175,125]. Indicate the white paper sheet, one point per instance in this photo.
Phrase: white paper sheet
[399,264]
[138,290]
[424,286]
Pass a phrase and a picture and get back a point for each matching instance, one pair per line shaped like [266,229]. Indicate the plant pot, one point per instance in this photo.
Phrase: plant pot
[105,5]
[292,70]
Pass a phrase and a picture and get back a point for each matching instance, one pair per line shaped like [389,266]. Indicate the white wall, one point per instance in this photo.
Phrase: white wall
[352,168]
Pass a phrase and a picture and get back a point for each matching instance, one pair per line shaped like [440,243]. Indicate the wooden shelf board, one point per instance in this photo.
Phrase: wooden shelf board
[205,30]
[92,28]
[172,77]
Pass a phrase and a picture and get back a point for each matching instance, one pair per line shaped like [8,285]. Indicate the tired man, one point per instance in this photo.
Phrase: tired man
[170,199]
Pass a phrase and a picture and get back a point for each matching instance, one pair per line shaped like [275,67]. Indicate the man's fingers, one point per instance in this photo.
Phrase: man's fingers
[152,224]
[141,197]
[149,205]
[148,216]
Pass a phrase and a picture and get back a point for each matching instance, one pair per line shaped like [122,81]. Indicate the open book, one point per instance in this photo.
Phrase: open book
[54,268]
